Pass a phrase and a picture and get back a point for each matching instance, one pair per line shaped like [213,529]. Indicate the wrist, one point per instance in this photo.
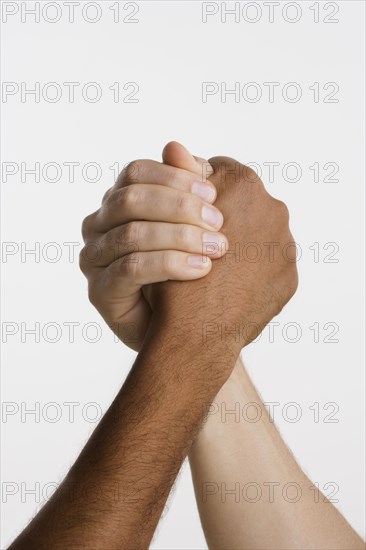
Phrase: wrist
[182,342]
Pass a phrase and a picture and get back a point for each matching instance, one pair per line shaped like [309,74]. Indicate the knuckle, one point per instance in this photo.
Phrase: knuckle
[129,266]
[107,194]
[92,294]
[82,263]
[227,168]
[129,197]
[184,234]
[182,203]
[294,281]
[110,245]
[86,226]
[290,283]
[108,240]
[230,171]
[250,174]
[89,255]
[131,232]
[219,162]
[132,172]
[282,210]
[121,240]
[173,177]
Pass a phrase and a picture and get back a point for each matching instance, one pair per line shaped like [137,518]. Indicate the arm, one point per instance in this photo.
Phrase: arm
[140,235]
[230,453]
[115,492]
[234,461]
[142,440]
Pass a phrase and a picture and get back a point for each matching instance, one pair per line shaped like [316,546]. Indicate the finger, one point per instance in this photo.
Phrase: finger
[175,154]
[143,236]
[152,172]
[154,203]
[143,268]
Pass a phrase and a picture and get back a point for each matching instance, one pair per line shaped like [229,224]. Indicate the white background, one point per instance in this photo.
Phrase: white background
[169,52]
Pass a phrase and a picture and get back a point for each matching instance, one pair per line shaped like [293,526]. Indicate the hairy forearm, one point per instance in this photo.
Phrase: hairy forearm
[114,494]
[250,491]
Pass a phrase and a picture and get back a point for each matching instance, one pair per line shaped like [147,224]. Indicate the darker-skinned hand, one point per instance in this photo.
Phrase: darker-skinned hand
[249,285]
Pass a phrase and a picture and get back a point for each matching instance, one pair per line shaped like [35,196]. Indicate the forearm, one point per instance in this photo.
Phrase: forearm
[250,491]
[122,478]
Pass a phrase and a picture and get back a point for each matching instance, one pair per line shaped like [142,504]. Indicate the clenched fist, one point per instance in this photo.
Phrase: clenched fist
[248,285]
[156,223]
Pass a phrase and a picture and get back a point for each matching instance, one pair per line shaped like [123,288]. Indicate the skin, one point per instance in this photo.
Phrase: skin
[230,452]
[247,293]
[147,229]
[143,438]
[138,213]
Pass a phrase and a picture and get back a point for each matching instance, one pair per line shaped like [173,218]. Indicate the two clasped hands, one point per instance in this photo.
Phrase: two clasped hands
[170,238]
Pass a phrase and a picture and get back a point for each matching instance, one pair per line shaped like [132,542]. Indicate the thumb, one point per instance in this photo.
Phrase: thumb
[175,154]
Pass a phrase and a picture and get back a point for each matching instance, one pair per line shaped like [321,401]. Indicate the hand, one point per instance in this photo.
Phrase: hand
[155,224]
[246,287]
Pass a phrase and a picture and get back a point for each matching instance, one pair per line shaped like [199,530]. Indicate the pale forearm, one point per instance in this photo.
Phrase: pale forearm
[250,491]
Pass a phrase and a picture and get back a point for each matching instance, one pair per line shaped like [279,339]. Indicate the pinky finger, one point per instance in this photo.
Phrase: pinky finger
[143,268]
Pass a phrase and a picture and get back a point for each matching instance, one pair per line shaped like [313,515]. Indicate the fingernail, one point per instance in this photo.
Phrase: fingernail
[198,261]
[212,216]
[214,238]
[204,191]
